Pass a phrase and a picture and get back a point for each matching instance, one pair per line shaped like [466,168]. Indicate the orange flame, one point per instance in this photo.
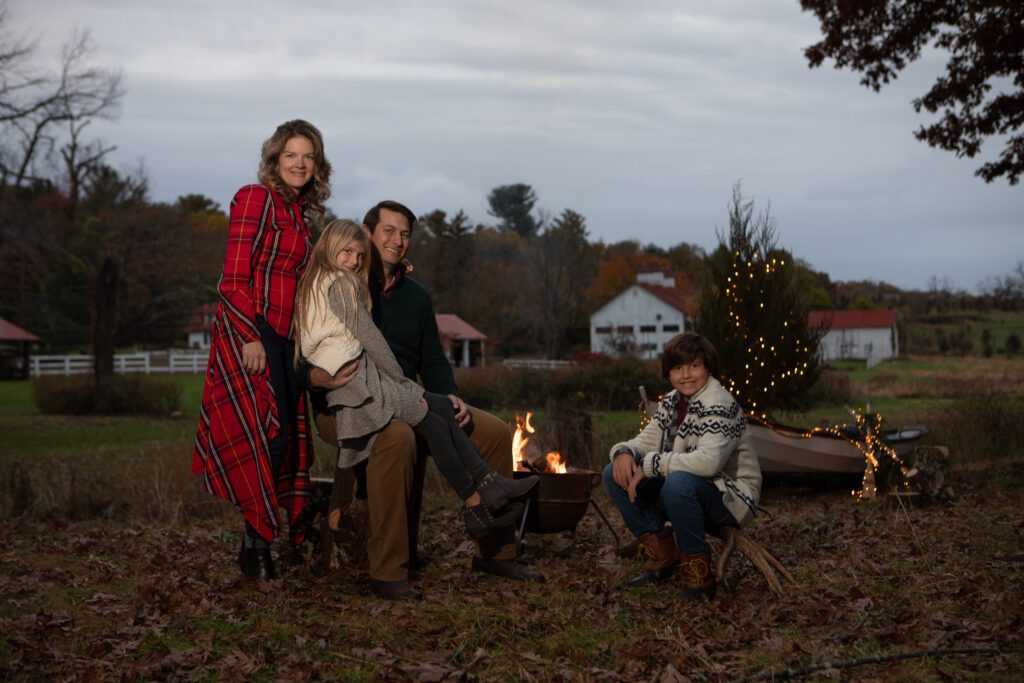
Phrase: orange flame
[519,441]
[555,463]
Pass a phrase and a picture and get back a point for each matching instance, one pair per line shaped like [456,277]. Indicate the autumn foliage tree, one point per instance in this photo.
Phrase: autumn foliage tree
[754,310]
[981,94]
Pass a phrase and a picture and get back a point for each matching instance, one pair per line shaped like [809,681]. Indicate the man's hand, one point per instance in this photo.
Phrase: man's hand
[623,468]
[319,378]
[462,414]
[634,482]
[254,358]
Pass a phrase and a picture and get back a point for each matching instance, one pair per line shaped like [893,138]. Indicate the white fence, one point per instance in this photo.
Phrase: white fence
[542,363]
[163,362]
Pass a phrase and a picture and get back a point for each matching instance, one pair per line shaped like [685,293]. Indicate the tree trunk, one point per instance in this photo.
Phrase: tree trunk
[104,329]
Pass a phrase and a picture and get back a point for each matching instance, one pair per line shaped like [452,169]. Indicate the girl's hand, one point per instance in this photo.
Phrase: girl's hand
[462,414]
[254,358]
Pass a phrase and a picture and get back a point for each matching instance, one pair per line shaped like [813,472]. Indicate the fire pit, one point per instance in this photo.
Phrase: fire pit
[559,501]
[562,497]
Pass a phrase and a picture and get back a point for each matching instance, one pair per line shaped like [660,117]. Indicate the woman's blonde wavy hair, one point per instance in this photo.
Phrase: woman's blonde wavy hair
[323,265]
[317,190]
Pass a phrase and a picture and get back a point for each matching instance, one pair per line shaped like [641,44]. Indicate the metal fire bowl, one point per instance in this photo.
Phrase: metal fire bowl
[559,501]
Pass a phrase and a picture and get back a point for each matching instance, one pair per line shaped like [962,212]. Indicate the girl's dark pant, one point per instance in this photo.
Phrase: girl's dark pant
[453,452]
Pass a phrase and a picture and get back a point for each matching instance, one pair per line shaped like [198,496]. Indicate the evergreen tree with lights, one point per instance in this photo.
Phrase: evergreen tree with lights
[754,310]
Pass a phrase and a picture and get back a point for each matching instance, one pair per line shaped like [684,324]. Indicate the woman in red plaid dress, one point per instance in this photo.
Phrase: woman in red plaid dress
[253,446]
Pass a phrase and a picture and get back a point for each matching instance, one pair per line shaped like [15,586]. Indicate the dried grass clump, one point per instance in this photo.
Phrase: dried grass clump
[131,485]
[129,395]
[982,428]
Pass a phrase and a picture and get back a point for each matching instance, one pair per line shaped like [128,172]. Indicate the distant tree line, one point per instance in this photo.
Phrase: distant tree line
[89,262]
[530,282]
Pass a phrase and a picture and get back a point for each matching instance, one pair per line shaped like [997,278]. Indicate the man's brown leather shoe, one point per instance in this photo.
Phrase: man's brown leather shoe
[510,569]
[395,590]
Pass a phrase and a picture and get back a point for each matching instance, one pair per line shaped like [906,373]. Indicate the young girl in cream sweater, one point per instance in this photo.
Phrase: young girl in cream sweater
[334,327]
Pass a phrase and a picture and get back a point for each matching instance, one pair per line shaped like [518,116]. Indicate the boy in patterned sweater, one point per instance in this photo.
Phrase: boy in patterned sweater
[694,464]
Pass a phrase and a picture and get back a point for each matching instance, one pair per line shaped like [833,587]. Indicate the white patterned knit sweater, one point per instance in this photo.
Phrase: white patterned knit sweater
[712,442]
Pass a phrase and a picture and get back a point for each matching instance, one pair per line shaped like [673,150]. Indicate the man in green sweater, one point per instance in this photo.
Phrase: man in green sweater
[394,472]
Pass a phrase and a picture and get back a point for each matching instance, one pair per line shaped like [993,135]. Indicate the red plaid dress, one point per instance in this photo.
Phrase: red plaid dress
[268,246]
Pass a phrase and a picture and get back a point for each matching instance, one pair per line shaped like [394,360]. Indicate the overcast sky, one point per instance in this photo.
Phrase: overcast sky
[640,115]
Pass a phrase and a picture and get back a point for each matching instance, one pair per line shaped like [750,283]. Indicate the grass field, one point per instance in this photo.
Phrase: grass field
[1000,324]
[115,564]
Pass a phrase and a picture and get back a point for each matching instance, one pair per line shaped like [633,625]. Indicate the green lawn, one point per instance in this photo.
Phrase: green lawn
[1001,324]
[16,397]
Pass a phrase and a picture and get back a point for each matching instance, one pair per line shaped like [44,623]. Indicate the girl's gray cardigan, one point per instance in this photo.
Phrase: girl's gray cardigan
[378,394]
[712,442]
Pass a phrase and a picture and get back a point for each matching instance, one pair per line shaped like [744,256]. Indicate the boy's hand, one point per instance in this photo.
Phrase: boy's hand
[638,478]
[623,468]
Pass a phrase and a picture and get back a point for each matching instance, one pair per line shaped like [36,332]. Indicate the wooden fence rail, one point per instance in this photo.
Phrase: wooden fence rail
[149,362]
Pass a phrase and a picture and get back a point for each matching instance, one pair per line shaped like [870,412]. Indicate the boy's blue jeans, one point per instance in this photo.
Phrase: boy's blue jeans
[693,504]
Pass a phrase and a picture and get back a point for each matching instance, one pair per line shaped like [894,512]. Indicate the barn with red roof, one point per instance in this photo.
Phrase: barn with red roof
[860,335]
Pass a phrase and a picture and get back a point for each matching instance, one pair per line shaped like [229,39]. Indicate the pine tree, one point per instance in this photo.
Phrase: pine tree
[755,312]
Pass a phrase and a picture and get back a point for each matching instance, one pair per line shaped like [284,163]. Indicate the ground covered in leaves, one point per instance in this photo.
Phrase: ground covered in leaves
[942,585]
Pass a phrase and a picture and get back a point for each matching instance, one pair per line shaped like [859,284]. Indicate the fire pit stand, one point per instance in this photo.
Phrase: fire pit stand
[559,502]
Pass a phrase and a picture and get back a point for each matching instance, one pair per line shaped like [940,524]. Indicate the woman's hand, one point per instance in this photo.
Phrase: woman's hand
[634,482]
[254,358]
[623,468]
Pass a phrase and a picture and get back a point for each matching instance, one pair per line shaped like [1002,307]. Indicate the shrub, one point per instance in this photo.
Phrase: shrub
[590,386]
[613,386]
[587,357]
[1012,346]
[987,349]
[130,395]
[833,387]
[983,428]
[499,386]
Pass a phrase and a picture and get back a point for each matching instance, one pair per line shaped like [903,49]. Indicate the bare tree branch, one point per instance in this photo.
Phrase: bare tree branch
[34,105]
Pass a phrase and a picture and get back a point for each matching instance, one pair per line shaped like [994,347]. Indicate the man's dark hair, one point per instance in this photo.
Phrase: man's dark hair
[372,217]
[685,348]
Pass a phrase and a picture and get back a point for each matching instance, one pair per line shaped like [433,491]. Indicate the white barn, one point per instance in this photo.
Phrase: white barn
[860,335]
[641,319]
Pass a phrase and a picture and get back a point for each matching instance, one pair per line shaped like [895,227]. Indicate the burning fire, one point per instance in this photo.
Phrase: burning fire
[519,457]
[555,463]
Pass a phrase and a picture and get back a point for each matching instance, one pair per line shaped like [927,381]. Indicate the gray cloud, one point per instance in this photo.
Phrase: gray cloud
[639,115]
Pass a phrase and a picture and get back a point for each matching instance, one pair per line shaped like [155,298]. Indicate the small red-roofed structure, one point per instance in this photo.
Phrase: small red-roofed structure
[15,348]
[200,326]
[861,335]
[462,343]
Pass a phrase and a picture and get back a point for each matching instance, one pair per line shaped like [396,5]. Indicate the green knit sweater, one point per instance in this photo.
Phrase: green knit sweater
[406,318]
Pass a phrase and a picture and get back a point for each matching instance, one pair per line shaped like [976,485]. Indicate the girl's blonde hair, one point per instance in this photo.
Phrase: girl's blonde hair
[323,265]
